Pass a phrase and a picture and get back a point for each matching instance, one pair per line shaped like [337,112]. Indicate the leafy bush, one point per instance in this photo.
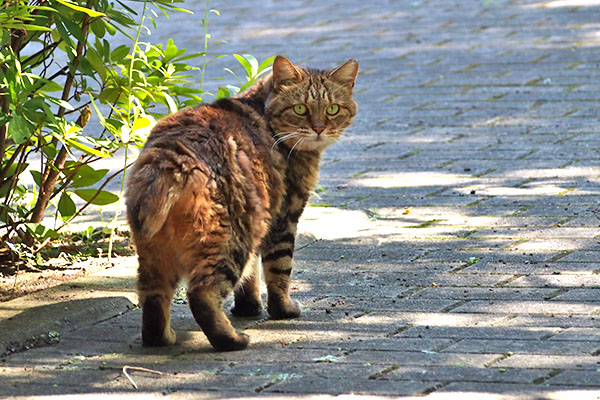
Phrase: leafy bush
[58,66]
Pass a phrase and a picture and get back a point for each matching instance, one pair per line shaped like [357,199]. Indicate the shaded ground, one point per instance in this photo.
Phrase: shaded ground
[59,264]
[453,252]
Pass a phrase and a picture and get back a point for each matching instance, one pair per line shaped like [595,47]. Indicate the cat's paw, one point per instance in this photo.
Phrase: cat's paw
[247,310]
[227,343]
[287,310]
[168,338]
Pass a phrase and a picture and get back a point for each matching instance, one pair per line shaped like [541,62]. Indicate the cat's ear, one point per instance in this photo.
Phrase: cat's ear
[345,74]
[284,71]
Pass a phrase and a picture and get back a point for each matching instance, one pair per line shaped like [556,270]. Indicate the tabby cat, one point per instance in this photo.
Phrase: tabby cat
[220,185]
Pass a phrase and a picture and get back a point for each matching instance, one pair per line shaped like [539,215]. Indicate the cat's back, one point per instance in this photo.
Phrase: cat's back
[214,148]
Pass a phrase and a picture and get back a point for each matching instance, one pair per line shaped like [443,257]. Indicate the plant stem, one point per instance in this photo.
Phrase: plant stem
[52,171]
[110,178]
[114,220]
[113,224]
[205,23]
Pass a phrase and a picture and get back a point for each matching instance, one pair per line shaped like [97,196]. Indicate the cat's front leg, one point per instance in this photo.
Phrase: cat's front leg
[277,258]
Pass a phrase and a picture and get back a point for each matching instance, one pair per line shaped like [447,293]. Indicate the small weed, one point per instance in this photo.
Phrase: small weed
[472,260]
[426,224]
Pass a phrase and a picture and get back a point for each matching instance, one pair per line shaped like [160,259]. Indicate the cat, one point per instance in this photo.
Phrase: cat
[218,186]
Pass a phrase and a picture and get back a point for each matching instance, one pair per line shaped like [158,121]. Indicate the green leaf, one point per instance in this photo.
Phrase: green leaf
[223,93]
[247,84]
[19,129]
[98,28]
[109,28]
[171,103]
[86,149]
[40,232]
[267,62]
[89,12]
[74,29]
[253,63]
[66,206]
[119,54]
[61,103]
[64,34]
[85,175]
[37,177]
[247,66]
[86,68]
[170,51]
[233,90]
[28,27]
[101,199]
[141,123]
[96,62]
[6,34]
[51,86]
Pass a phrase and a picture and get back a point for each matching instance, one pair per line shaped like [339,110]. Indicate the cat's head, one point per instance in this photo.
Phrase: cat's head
[309,109]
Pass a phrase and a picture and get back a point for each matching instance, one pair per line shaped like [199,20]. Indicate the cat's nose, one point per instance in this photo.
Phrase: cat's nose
[318,129]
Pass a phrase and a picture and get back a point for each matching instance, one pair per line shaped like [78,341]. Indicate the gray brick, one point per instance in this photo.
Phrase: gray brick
[550,361]
[477,125]
[486,346]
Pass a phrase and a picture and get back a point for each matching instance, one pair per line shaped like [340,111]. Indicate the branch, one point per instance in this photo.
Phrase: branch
[110,178]
[50,174]
[9,163]
[49,47]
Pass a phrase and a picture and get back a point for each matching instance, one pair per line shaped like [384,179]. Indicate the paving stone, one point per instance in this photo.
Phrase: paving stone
[576,378]
[484,293]
[572,281]
[475,332]
[522,392]
[550,361]
[421,358]
[573,334]
[465,374]
[356,387]
[486,346]
[580,295]
[552,320]
[530,307]
[453,248]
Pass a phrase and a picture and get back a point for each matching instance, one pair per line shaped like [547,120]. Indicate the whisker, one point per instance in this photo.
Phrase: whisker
[283,133]
[284,138]
[294,146]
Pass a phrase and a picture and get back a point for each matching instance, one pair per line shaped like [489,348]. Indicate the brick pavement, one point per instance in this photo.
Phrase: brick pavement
[453,252]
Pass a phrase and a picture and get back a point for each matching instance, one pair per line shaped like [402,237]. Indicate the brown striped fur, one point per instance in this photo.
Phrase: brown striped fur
[219,186]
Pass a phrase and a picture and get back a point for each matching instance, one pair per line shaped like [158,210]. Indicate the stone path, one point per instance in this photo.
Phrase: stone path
[452,252]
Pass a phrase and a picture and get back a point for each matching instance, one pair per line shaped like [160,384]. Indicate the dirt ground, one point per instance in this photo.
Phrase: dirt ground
[60,263]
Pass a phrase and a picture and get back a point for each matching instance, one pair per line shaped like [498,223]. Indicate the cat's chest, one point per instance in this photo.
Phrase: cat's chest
[301,177]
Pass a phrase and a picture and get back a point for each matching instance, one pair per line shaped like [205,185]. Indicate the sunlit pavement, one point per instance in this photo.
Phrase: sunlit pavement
[452,249]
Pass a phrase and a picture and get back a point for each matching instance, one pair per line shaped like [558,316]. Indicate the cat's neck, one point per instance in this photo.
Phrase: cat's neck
[257,94]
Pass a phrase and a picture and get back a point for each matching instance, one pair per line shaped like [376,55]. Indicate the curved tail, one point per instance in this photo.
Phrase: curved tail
[154,185]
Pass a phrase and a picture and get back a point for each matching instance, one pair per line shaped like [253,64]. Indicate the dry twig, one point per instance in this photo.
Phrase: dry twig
[127,368]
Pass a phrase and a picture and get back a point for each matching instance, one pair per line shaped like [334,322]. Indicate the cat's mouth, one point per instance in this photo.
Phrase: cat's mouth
[306,140]
[314,141]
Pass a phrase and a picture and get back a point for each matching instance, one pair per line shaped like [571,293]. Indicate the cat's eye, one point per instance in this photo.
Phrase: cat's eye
[333,109]
[300,109]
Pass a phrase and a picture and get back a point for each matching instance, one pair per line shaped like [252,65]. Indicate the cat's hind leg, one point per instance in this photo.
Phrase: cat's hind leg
[247,291]
[207,292]
[155,292]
